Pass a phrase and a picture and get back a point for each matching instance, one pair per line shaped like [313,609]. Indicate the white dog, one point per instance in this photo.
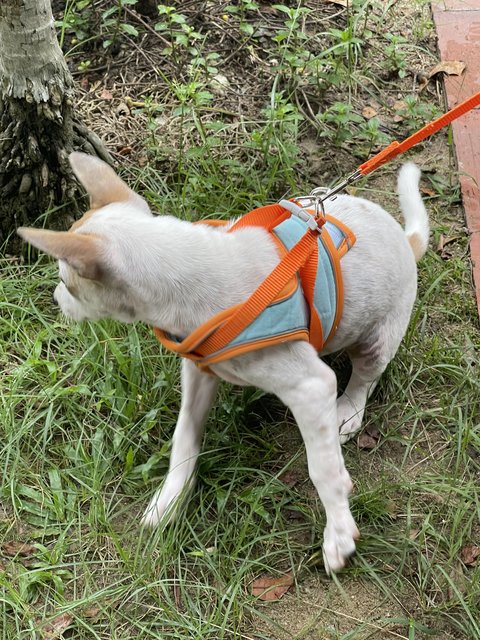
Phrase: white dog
[121,261]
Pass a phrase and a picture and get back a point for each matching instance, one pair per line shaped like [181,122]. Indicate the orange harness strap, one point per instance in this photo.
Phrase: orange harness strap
[265,293]
[267,217]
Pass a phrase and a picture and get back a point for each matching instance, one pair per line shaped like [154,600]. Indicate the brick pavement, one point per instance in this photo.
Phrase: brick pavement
[458,29]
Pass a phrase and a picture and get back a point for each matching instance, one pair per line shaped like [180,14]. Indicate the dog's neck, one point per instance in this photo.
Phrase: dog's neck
[186,273]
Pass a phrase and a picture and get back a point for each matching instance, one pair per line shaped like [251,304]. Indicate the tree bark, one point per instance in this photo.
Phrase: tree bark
[38,128]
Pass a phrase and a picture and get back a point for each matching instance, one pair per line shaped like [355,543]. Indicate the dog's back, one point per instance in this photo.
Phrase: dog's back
[380,275]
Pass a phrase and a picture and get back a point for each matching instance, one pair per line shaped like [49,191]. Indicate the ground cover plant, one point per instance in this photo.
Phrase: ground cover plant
[212,109]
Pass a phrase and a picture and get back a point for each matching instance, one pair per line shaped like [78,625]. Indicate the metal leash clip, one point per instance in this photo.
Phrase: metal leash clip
[316,199]
[325,193]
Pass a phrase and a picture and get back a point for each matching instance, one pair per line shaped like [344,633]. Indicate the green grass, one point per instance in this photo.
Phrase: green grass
[87,411]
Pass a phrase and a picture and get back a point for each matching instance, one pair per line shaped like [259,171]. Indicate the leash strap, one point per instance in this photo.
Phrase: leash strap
[396,148]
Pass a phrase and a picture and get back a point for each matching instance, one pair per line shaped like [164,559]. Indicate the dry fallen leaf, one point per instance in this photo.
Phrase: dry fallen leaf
[369,112]
[267,8]
[290,477]
[106,94]
[369,438]
[125,151]
[444,240]
[15,548]
[373,431]
[55,628]
[470,554]
[274,588]
[398,106]
[423,79]
[341,3]
[442,243]
[428,192]
[450,67]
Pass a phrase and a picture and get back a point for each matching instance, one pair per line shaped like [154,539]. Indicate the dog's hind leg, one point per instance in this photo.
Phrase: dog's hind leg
[351,404]
[198,393]
[369,360]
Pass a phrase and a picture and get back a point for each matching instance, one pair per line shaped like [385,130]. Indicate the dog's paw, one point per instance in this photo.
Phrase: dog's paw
[349,419]
[339,545]
[165,504]
[162,509]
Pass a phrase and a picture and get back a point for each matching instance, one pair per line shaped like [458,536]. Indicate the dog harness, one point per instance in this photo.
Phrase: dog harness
[304,292]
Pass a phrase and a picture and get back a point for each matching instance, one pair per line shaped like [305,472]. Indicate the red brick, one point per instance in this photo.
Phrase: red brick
[456,5]
[459,39]
[475,256]
[466,135]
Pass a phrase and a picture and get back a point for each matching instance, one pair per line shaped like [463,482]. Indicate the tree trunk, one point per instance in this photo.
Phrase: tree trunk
[38,129]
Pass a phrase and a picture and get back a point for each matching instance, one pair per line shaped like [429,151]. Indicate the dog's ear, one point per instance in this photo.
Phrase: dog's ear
[101,182]
[81,251]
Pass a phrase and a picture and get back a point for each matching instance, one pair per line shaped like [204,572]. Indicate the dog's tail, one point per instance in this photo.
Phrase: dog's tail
[413,209]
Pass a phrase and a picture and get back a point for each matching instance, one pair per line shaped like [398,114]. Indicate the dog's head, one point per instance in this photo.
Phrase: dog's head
[94,261]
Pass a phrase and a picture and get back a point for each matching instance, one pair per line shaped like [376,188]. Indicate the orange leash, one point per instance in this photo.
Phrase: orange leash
[396,148]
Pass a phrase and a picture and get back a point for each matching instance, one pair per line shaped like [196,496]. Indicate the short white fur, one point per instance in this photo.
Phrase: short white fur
[175,275]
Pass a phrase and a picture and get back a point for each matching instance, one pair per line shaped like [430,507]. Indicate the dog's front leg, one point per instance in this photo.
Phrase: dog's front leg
[198,393]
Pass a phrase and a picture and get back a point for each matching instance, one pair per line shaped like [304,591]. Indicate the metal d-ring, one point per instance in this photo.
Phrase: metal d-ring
[319,195]
[315,200]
